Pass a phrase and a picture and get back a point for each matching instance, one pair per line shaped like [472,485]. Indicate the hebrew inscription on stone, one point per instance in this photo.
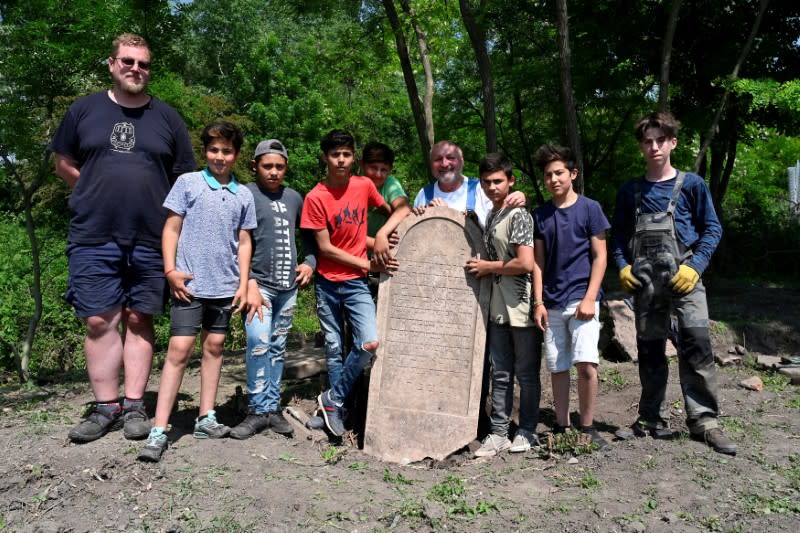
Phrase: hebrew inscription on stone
[425,384]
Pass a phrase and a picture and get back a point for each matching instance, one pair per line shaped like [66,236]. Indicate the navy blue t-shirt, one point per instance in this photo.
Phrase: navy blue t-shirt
[128,159]
[567,234]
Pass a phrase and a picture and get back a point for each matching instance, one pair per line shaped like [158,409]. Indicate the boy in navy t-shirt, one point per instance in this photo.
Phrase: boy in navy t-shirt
[570,253]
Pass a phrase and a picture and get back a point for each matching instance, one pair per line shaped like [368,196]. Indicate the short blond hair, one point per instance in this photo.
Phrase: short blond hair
[128,39]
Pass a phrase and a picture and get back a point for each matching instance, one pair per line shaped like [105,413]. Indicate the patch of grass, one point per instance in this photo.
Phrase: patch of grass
[228,524]
[332,454]
[589,480]
[357,466]
[471,511]
[732,424]
[399,479]
[287,458]
[448,491]
[650,505]
[615,379]
[761,504]
[794,402]
[572,441]
[775,382]
[711,523]
[305,315]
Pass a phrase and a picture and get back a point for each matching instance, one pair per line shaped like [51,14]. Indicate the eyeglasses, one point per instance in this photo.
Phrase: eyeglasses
[649,142]
[130,62]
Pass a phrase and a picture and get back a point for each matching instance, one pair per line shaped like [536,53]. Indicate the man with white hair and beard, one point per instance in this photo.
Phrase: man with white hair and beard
[119,150]
[453,189]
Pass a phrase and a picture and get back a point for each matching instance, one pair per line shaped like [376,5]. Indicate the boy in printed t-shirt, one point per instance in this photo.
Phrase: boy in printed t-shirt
[272,289]
[570,253]
[207,249]
[336,210]
[512,337]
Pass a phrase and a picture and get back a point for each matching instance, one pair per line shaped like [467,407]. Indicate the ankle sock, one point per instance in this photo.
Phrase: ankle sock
[130,403]
[109,409]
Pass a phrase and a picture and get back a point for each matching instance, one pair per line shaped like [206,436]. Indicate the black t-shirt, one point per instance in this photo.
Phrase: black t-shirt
[128,159]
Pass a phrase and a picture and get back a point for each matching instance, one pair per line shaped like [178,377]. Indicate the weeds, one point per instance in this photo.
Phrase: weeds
[448,491]
[589,480]
[331,455]
[614,378]
[400,479]
[572,441]
[357,466]
[775,382]
[760,504]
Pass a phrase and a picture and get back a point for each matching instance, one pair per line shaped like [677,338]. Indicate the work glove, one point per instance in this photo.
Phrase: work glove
[684,280]
[630,283]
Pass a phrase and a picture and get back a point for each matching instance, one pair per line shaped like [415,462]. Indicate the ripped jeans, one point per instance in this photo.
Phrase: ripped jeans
[335,299]
[266,349]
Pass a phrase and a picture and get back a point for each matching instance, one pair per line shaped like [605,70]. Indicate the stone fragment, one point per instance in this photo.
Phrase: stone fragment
[752,383]
[727,359]
[768,361]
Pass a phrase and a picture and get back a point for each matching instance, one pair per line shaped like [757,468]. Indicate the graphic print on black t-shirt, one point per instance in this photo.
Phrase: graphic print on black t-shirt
[123,137]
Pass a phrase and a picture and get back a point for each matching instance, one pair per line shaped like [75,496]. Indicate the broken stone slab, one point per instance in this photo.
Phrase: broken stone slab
[752,383]
[727,359]
[304,363]
[768,361]
[425,385]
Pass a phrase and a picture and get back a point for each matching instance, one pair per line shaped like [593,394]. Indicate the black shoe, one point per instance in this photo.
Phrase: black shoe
[717,440]
[560,430]
[135,424]
[252,424]
[279,424]
[95,425]
[599,442]
[642,428]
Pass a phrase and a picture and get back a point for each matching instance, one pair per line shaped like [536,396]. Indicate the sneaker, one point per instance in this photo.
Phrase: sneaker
[208,427]
[599,442]
[94,425]
[717,440]
[252,424]
[523,441]
[332,413]
[315,422]
[279,424]
[492,445]
[642,428]
[155,445]
[135,424]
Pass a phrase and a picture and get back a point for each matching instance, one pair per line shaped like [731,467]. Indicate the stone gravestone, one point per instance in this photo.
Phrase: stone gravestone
[425,384]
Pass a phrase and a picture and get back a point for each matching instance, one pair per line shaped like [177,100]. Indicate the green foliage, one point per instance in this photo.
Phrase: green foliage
[448,491]
[399,479]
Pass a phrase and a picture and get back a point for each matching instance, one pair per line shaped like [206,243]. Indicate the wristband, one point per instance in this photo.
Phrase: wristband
[538,303]
[168,272]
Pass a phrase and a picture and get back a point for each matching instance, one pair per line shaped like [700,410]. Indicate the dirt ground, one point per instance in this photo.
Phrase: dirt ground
[271,483]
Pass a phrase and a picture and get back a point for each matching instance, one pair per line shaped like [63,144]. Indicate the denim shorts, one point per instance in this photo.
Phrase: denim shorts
[212,314]
[105,276]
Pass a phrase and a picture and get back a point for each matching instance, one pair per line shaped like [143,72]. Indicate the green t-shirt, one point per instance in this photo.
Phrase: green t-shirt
[391,190]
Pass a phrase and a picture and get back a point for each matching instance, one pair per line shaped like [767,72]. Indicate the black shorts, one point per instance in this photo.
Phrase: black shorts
[212,314]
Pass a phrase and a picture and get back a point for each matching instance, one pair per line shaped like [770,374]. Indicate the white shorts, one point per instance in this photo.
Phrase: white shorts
[568,340]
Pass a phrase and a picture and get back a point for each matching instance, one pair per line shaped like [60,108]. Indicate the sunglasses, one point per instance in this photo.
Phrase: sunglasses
[130,62]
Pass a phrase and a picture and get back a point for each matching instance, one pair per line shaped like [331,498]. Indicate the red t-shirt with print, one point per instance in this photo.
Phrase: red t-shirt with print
[343,212]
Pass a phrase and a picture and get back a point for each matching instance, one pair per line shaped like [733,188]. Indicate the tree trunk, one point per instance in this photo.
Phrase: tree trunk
[411,84]
[748,45]
[666,56]
[567,95]
[427,96]
[478,38]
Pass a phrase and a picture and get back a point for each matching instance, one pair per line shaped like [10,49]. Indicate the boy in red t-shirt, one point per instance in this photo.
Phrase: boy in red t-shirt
[336,210]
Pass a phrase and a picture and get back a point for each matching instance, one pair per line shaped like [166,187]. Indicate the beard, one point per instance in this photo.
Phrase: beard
[447,177]
[132,86]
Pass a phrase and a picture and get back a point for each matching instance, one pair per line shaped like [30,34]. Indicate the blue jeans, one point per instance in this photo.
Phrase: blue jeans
[334,301]
[266,349]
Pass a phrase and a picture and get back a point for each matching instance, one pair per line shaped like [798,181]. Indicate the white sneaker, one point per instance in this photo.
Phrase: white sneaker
[523,441]
[492,445]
